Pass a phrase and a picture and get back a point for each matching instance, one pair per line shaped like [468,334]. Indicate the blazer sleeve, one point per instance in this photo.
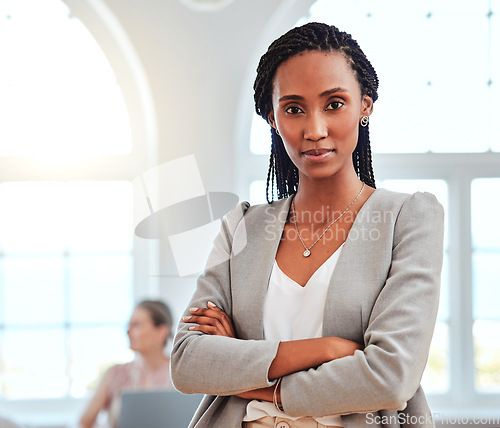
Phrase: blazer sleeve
[218,365]
[387,373]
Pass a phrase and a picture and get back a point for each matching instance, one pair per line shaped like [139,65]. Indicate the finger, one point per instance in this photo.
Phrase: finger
[202,320]
[223,318]
[207,329]
[218,314]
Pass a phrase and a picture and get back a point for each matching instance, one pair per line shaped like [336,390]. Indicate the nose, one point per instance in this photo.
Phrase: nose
[316,127]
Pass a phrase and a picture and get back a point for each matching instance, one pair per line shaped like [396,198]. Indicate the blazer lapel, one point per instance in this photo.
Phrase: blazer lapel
[253,266]
[341,319]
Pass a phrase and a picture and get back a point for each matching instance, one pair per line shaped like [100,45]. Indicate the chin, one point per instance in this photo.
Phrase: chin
[321,174]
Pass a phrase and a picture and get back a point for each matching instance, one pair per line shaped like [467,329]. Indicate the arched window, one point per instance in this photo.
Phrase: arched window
[67,158]
[433,130]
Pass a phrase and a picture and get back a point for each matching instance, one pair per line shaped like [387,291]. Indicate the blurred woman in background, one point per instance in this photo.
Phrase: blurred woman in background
[149,329]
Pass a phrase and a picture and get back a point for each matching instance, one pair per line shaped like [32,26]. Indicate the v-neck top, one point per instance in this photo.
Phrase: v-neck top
[294,312]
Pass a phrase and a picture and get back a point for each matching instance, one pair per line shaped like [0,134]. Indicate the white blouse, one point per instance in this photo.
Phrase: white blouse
[293,312]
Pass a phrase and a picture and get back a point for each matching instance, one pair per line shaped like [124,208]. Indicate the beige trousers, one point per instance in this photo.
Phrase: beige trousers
[276,422]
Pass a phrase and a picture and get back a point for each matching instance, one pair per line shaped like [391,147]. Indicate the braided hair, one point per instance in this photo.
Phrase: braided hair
[311,37]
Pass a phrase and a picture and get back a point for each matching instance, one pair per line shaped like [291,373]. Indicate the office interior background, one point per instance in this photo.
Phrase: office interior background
[95,93]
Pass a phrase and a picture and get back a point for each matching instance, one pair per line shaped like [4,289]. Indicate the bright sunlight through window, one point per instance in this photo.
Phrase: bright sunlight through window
[58,96]
[66,248]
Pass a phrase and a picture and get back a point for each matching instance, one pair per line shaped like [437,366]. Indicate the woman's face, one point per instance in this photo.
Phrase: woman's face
[144,336]
[317,106]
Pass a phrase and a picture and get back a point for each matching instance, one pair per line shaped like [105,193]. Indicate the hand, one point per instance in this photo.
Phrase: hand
[211,320]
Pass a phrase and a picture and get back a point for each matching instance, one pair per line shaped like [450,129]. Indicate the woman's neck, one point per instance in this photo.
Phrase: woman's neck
[153,360]
[334,194]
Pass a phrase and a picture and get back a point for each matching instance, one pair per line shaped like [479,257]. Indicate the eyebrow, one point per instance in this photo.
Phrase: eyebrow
[333,91]
[323,94]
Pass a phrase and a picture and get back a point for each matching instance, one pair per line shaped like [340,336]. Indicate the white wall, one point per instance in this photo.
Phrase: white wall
[195,62]
[200,67]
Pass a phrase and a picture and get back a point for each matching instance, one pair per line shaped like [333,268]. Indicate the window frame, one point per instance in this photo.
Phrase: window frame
[99,19]
[458,170]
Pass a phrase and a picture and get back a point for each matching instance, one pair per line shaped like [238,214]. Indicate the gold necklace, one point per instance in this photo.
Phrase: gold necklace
[307,251]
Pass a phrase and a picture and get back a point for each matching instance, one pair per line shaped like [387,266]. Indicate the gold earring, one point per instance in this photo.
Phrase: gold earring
[277,132]
[364,121]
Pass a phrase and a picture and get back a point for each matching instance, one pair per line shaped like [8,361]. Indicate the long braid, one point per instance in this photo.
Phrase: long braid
[271,171]
[287,181]
[313,36]
[362,157]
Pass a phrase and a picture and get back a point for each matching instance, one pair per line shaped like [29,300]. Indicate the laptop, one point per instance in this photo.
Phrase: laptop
[158,409]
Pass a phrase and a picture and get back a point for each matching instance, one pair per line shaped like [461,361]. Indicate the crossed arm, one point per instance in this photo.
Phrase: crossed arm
[385,375]
[292,356]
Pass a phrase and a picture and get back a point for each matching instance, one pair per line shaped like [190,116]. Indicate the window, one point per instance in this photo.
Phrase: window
[485,275]
[429,135]
[66,273]
[67,261]
[59,93]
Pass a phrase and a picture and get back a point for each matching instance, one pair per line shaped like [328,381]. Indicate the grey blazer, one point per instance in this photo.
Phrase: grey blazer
[383,293]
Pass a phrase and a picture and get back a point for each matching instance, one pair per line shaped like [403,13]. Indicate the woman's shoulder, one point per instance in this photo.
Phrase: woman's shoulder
[407,210]
[391,200]
[257,211]
[381,199]
[123,375]
[123,370]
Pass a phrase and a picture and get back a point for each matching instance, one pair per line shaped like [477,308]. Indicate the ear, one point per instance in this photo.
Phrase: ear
[366,106]
[271,119]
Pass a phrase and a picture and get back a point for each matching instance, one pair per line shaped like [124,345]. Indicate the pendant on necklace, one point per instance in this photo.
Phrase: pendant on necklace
[306,253]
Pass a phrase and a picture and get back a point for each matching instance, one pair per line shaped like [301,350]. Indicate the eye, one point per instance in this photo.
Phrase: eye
[334,105]
[293,110]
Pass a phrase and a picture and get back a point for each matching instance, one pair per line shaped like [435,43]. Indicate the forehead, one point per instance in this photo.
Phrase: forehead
[140,314]
[314,72]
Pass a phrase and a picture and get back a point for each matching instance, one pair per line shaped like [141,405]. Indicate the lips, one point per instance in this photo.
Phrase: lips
[318,155]
[317,152]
